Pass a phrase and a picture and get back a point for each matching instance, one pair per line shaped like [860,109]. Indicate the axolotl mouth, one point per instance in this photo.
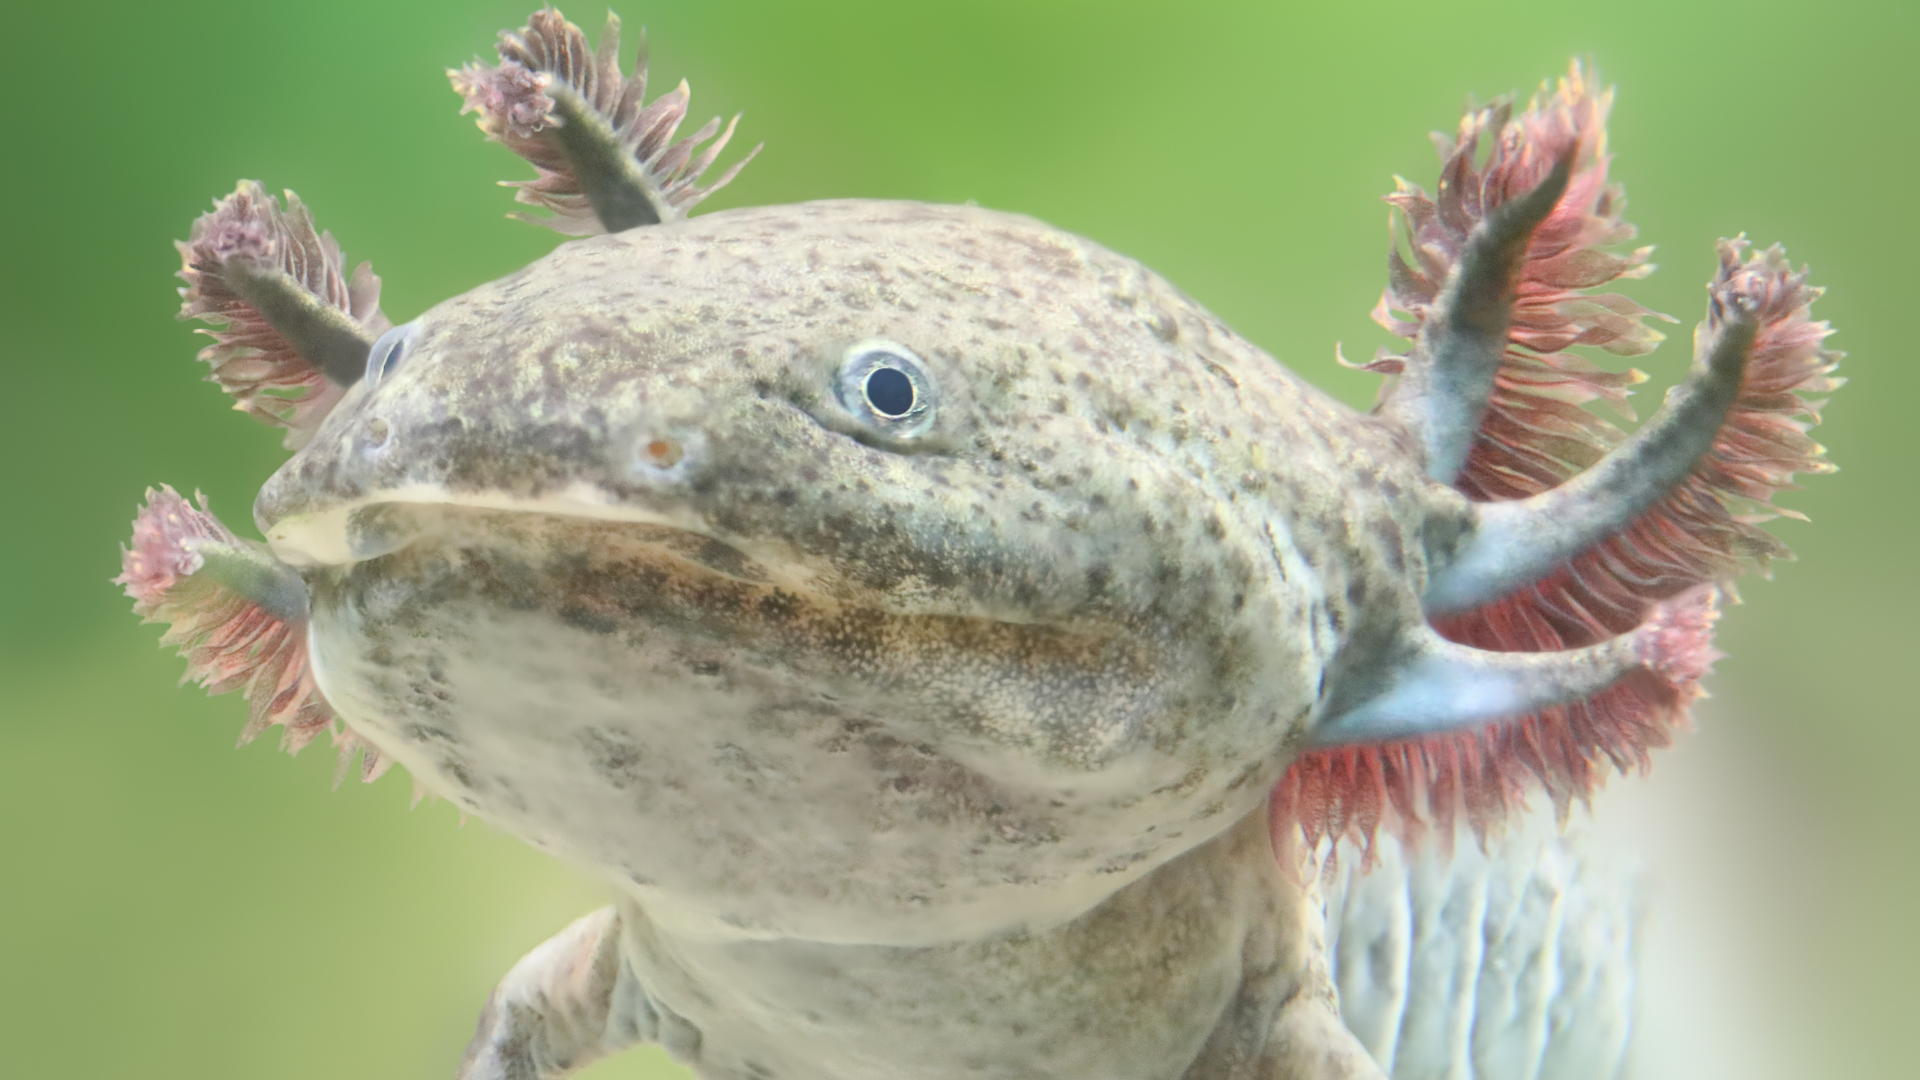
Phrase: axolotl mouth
[756,760]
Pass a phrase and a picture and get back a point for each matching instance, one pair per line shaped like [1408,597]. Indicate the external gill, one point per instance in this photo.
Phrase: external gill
[1517,542]
[293,330]
[1501,415]
[1444,398]
[1435,686]
[1445,730]
[1681,501]
[607,161]
[239,619]
[1584,540]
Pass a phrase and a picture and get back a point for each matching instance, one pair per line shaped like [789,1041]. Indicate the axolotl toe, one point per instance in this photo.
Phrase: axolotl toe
[958,648]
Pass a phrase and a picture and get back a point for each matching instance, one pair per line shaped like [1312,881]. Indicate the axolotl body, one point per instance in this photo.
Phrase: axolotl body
[956,646]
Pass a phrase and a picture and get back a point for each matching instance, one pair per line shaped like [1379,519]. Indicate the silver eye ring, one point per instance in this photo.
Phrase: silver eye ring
[888,388]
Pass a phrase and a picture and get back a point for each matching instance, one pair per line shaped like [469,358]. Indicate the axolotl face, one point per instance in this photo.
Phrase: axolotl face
[856,571]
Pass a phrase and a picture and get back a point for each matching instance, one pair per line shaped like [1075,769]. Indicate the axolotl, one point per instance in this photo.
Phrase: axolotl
[962,653]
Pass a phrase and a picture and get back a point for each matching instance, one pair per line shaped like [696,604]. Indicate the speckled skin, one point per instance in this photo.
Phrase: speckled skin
[977,726]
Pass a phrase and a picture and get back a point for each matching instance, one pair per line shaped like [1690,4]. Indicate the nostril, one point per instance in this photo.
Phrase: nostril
[662,453]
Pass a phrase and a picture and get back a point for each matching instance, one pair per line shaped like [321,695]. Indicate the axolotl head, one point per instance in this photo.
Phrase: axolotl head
[885,572]
[893,526]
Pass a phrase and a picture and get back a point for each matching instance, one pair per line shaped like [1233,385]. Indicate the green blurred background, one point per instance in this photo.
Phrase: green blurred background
[169,907]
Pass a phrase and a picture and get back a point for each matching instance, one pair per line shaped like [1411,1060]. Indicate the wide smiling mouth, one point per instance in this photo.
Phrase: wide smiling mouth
[395,535]
[387,521]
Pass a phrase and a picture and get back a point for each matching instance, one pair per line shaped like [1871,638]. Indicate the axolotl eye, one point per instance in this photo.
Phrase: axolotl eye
[888,388]
[388,352]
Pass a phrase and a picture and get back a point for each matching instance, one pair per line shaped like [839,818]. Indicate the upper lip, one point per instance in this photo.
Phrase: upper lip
[334,536]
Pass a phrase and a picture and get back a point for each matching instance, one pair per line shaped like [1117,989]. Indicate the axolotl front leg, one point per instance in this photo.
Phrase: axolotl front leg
[1215,968]
[568,1003]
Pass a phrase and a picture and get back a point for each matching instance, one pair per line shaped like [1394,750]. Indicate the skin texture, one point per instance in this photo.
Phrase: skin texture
[813,685]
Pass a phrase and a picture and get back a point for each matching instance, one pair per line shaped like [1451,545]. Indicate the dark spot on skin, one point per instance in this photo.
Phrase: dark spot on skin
[1245,775]
[504,786]
[705,667]
[612,755]
[1099,576]
[1357,592]
[1026,593]
[459,773]
[592,622]
[1392,544]
[1222,374]
[724,559]
[778,606]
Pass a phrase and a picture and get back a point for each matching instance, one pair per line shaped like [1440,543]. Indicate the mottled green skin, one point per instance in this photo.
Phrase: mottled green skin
[810,683]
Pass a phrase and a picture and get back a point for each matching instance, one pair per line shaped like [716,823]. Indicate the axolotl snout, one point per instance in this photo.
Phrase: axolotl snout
[934,624]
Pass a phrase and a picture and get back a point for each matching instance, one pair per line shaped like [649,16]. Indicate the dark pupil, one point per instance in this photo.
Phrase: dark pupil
[889,391]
